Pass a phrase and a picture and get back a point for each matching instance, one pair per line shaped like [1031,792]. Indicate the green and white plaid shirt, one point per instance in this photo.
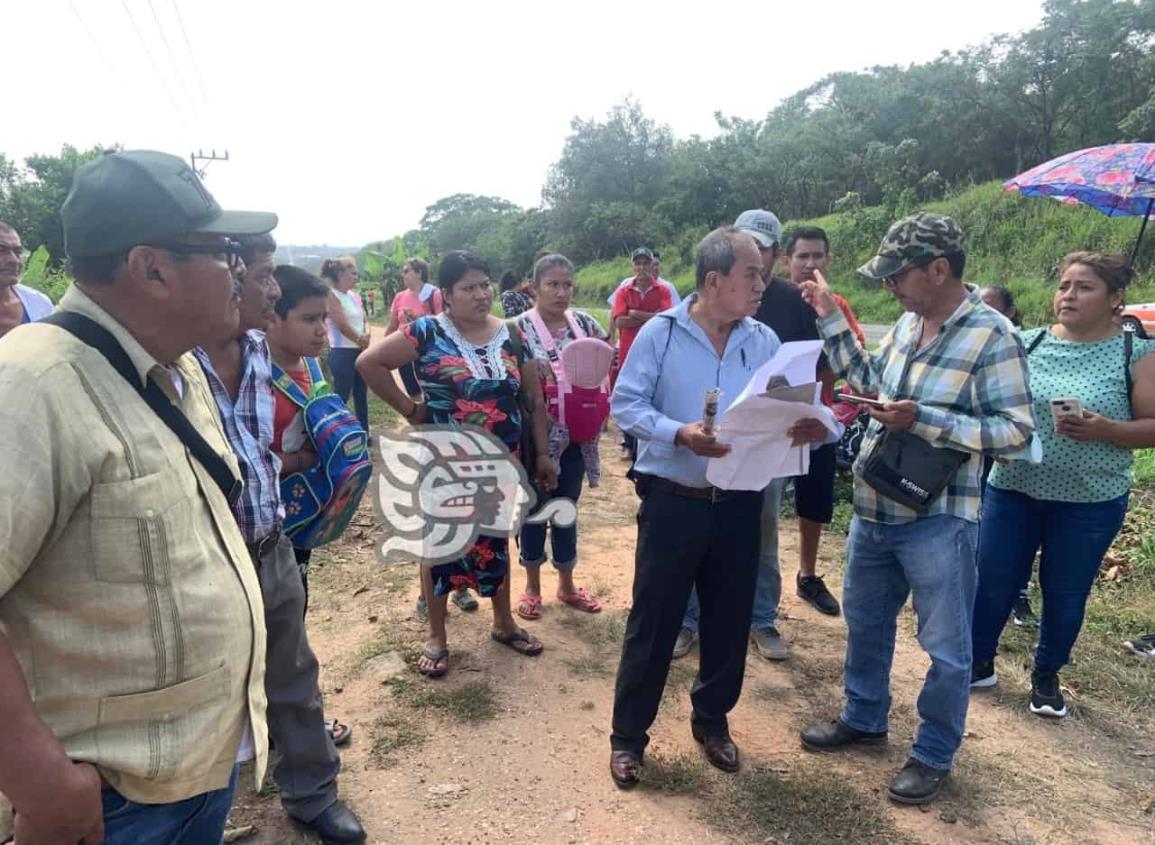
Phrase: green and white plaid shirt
[971,385]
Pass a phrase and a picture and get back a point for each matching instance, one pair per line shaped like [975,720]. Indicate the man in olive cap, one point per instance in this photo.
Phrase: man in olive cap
[953,373]
[133,645]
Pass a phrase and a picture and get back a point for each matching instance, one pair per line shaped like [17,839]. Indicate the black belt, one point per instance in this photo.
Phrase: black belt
[265,545]
[710,494]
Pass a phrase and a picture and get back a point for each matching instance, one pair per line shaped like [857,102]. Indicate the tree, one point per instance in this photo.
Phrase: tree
[31,197]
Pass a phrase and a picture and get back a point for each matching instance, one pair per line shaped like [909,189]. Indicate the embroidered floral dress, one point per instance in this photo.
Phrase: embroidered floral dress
[467,384]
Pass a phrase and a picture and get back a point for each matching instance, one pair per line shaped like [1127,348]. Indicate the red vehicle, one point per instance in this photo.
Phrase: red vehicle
[1140,319]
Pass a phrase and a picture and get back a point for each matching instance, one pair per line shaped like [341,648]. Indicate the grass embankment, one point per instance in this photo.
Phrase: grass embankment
[1010,239]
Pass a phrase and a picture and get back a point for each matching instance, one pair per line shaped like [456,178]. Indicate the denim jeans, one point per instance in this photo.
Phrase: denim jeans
[1073,537]
[563,539]
[933,559]
[195,821]
[348,382]
[768,590]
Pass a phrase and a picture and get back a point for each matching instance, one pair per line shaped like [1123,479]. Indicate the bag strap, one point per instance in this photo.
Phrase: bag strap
[662,360]
[554,355]
[1039,338]
[289,387]
[93,334]
[1128,348]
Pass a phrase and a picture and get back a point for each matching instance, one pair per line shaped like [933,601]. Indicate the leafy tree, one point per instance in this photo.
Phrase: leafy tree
[31,197]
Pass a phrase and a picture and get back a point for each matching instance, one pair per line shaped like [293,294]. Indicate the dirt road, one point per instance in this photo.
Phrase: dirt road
[510,749]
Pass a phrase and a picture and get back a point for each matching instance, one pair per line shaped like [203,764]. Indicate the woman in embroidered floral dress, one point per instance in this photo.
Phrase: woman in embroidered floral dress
[471,372]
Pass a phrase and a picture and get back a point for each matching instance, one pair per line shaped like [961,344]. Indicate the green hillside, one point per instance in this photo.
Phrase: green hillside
[1011,240]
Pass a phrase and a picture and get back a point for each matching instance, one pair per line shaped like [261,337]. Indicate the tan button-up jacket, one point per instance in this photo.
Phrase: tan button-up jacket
[126,590]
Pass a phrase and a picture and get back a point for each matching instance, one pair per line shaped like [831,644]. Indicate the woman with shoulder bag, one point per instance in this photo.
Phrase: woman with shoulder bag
[1094,398]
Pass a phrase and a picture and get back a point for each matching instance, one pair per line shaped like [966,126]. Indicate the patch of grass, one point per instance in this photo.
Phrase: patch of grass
[999,779]
[602,632]
[380,414]
[473,702]
[392,638]
[393,732]
[679,774]
[682,674]
[399,578]
[807,805]
[595,666]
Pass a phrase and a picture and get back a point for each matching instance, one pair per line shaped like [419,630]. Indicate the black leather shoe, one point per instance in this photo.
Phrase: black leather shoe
[830,736]
[625,767]
[720,750]
[917,783]
[336,825]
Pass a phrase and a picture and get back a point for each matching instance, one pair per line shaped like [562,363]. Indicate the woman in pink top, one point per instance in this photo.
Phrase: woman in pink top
[407,306]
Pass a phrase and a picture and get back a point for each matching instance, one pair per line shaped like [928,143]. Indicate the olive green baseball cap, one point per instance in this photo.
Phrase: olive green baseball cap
[921,235]
[132,197]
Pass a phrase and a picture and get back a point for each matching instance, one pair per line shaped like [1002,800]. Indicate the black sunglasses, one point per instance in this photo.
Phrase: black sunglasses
[230,251]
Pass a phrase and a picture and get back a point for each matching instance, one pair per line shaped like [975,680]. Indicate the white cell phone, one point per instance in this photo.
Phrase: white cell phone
[1067,406]
[862,400]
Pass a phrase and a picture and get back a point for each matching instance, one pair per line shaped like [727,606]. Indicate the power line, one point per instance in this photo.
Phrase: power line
[95,44]
[151,60]
[191,56]
[168,49]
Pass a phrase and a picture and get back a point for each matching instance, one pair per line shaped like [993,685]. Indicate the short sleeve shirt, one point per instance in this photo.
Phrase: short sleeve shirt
[655,300]
[466,383]
[1094,374]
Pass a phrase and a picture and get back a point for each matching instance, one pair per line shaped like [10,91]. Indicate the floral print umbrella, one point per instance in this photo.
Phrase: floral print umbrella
[1118,179]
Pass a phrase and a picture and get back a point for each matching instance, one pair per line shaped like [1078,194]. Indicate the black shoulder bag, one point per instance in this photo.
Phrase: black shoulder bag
[99,338]
[908,469]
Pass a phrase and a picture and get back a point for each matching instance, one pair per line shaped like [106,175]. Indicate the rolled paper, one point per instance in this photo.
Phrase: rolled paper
[710,413]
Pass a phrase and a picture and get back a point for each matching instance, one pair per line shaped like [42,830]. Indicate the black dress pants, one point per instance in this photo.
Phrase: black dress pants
[685,542]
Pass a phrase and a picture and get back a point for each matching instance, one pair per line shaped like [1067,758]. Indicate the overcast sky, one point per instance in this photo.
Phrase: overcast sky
[349,118]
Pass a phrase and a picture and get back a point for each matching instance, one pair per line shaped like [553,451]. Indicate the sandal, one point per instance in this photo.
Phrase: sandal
[521,641]
[440,660]
[529,607]
[464,600]
[338,732]
[581,600]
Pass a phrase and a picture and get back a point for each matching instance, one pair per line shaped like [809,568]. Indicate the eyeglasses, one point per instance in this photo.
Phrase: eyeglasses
[894,280]
[229,251]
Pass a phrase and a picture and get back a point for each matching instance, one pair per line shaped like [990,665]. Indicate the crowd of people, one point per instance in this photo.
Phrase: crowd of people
[162,402]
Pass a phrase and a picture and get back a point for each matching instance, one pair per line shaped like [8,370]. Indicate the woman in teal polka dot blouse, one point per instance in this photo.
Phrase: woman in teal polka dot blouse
[1071,505]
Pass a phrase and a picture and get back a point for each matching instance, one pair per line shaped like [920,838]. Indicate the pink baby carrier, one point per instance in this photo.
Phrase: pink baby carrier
[580,396]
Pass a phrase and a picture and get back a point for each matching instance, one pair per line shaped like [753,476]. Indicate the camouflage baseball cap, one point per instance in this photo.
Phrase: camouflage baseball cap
[922,235]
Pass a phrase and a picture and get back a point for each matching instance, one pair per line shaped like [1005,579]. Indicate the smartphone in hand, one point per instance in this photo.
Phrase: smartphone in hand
[862,400]
[1067,406]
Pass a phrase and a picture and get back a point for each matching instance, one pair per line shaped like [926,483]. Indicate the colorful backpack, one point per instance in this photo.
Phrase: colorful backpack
[320,501]
[580,396]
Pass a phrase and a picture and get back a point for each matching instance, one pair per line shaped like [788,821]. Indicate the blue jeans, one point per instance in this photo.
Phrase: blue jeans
[564,539]
[348,382]
[768,589]
[1073,537]
[195,821]
[932,558]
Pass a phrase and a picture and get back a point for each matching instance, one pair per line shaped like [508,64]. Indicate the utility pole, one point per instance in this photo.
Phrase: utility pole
[199,155]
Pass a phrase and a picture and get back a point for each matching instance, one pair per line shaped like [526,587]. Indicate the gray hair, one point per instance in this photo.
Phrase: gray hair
[547,262]
[716,252]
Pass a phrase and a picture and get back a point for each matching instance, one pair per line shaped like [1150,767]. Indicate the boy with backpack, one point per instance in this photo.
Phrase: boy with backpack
[325,464]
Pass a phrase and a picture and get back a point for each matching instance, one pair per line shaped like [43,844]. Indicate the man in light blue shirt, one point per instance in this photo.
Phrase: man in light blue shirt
[690,533]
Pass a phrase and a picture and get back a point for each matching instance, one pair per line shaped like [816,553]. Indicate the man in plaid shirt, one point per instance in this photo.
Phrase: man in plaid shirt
[239,371]
[966,368]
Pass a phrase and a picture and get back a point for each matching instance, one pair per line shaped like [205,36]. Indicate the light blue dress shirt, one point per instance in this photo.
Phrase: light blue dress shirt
[663,385]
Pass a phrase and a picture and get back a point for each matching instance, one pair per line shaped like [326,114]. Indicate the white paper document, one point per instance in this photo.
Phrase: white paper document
[755,425]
